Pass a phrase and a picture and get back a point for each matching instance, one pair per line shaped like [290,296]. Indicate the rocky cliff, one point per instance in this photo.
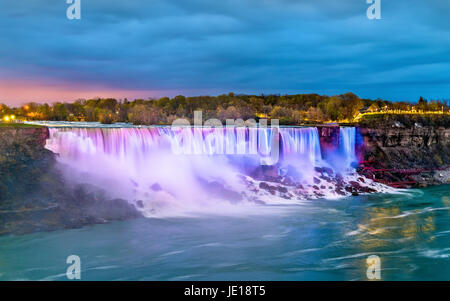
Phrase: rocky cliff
[406,153]
[34,195]
[23,158]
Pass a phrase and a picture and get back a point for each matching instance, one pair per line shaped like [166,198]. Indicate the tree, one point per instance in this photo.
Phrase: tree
[351,106]
[105,116]
[284,115]
[373,107]
[44,112]
[146,114]
[422,104]
[229,113]
[316,114]
[59,111]
[332,108]
[257,103]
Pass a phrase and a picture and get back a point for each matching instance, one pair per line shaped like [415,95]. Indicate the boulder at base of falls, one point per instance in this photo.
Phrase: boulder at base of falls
[156,187]
[218,190]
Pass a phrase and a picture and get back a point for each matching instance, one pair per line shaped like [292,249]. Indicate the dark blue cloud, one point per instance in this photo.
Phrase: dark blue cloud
[253,46]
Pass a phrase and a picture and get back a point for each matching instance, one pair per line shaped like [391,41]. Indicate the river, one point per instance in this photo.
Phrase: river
[315,240]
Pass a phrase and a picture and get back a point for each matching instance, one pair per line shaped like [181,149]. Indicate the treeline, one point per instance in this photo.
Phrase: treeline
[289,109]
[404,120]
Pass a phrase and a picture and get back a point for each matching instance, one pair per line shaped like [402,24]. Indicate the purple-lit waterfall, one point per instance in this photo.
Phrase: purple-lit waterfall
[347,143]
[164,170]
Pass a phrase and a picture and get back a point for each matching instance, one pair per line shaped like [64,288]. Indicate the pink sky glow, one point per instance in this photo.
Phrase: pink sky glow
[18,92]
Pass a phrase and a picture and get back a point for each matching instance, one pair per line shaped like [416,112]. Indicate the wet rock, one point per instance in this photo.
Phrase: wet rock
[286,196]
[318,194]
[156,187]
[328,171]
[218,190]
[270,172]
[366,189]
[339,179]
[287,181]
[316,180]
[299,192]
[282,189]
[325,178]
[355,193]
[355,185]
[264,185]
[340,192]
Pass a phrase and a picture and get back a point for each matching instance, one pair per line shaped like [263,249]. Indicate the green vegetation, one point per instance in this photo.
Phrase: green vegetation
[289,109]
[407,120]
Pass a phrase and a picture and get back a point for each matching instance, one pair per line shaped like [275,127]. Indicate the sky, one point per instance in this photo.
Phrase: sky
[154,48]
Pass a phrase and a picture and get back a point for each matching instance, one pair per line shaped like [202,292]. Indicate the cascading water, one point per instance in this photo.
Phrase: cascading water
[347,143]
[167,170]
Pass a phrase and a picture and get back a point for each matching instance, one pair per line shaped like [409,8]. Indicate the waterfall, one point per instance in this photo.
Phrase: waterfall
[136,142]
[347,143]
[301,141]
[189,166]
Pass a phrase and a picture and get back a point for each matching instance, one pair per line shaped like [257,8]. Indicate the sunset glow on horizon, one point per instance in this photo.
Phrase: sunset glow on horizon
[19,92]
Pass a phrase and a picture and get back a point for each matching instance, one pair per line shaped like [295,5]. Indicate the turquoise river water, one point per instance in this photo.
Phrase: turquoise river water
[316,240]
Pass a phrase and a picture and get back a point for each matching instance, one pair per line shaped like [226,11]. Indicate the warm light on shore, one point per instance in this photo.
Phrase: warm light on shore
[8,118]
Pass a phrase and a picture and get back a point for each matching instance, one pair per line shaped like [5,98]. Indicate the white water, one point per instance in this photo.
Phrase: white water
[172,171]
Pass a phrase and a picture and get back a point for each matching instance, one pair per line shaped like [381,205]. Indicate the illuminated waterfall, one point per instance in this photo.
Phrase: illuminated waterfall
[178,166]
[347,143]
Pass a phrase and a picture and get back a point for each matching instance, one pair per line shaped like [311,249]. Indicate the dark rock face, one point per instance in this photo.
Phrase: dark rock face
[22,159]
[408,147]
[422,150]
[265,173]
[329,139]
[33,193]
